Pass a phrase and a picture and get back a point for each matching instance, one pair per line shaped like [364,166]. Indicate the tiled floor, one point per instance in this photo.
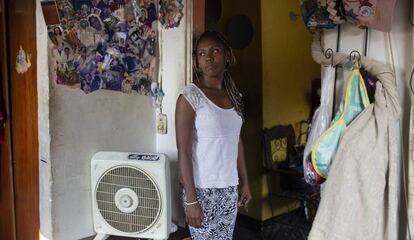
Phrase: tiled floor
[289,226]
[181,234]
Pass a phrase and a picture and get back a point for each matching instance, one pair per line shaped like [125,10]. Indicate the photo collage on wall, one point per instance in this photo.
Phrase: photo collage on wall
[171,12]
[107,44]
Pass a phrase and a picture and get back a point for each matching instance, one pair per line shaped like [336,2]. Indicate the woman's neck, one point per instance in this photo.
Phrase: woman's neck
[211,82]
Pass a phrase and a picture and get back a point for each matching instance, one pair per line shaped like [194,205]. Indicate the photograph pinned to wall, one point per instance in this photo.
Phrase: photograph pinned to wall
[63,52]
[50,12]
[86,37]
[116,65]
[170,13]
[121,39]
[66,11]
[151,43]
[83,24]
[131,62]
[82,7]
[68,54]
[133,35]
[114,5]
[138,47]
[126,85]
[90,82]
[104,7]
[106,63]
[110,22]
[66,74]
[147,15]
[96,23]
[88,64]
[55,34]
[96,11]
[70,36]
[144,86]
[121,26]
[119,13]
[129,12]
[136,9]
[112,80]
[65,65]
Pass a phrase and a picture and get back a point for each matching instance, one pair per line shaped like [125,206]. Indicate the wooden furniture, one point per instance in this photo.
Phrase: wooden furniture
[283,157]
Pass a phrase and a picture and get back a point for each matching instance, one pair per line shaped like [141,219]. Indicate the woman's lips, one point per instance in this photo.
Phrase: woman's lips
[211,66]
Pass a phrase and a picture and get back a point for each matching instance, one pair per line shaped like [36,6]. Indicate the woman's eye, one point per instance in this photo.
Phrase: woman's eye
[215,51]
[202,54]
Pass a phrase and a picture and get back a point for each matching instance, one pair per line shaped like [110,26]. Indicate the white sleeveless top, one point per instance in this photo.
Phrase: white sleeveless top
[216,137]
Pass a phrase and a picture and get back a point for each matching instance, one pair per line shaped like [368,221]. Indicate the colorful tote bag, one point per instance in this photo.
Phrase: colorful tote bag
[355,101]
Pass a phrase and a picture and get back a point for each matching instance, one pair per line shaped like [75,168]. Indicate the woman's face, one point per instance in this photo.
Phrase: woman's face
[211,57]
[57,31]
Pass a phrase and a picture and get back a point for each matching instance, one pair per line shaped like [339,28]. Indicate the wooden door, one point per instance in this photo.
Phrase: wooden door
[20,30]
[198,17]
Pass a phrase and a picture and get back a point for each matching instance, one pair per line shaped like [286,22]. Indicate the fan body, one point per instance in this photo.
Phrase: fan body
[131,195]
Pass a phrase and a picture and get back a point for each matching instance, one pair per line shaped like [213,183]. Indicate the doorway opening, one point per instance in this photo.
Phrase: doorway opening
[279,81]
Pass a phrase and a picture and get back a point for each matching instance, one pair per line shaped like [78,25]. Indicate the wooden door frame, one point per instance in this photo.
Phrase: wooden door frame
[7,214]
[19,198]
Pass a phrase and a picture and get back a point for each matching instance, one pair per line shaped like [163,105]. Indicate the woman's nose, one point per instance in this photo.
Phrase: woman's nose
[209,58]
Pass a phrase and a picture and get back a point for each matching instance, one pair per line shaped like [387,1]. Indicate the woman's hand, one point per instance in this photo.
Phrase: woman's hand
[245,196]
[194,215]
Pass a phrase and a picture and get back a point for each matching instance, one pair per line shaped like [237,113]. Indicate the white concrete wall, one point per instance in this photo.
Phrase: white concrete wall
[352,38]
[72,127]
[80,126]
[174,78]
[45,174]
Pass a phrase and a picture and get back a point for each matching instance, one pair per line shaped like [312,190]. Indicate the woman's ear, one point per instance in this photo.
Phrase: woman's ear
[195,64]
[227,59]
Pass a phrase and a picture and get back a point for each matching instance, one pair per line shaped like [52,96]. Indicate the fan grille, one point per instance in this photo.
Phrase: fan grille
[147,212]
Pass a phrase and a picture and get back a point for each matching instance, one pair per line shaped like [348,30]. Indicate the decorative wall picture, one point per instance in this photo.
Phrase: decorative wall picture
[50,12]
[22,61]
[171,12]
[107,44]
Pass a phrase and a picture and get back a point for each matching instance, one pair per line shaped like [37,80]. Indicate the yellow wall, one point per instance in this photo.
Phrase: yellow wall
[287,64]
[287,71]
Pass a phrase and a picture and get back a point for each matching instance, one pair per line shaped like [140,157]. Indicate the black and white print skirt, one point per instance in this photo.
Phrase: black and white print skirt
[219,213]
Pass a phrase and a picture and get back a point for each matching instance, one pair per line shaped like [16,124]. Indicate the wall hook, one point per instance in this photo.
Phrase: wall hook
[329,54]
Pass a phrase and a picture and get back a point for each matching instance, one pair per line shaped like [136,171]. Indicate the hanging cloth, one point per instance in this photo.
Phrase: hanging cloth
[360,198]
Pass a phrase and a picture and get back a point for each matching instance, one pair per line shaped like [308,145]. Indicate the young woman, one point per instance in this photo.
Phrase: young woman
[209,117]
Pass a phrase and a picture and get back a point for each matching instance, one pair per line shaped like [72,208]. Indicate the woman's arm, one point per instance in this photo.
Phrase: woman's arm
[245,195]
[184,123]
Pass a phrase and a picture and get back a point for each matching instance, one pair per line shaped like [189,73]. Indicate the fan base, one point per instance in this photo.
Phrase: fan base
[101,236]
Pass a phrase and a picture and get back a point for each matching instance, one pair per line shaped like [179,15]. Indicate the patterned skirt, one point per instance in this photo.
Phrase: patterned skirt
[219,213]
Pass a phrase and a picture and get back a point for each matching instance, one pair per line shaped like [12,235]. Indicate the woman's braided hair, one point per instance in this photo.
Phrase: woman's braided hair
[231,89]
